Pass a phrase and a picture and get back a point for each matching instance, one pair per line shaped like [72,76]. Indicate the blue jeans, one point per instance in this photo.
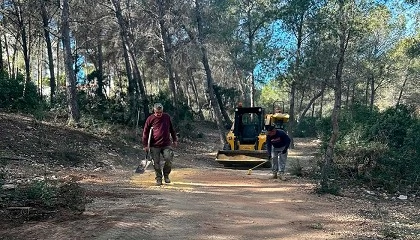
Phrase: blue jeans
[278,160]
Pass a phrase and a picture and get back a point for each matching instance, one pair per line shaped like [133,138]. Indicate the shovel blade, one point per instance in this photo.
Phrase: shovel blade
[141,168]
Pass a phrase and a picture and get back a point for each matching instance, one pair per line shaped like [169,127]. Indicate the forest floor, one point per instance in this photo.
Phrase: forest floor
[204,200]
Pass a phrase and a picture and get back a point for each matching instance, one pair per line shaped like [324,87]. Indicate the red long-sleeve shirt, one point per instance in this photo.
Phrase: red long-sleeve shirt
[162,131]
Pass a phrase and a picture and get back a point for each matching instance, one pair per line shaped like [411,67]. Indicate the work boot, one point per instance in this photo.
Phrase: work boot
[167,180]
[158,181]
[274,176]
[282,177]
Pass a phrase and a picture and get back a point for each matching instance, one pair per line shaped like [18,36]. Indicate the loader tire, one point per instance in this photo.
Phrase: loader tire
[227,165]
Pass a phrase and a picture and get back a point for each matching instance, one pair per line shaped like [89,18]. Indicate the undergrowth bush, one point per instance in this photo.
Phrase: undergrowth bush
[115,109]
[43,198]
[306,127]
[398,128]
[296,168]
[15,96]
[100,113]
[381,149]
[183,112]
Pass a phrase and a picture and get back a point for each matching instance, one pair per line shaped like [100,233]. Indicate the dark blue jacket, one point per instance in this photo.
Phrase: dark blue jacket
[279,140]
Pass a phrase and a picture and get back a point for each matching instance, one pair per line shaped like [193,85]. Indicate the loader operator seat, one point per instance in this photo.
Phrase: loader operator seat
[249,133]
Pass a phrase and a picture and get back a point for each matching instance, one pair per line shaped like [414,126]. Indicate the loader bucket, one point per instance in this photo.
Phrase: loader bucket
[242,157]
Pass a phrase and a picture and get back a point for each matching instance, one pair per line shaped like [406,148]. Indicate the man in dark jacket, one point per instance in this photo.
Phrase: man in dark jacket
[277,145]
[160,142]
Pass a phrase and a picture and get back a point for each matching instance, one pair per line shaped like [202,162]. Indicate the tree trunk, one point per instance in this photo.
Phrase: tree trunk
[9,64]
[372,92]
[141,90]
[124,42]
[311,102]
[57,52]
[296,75]
[403,85]
[40,57]
[252,95]
[347,93]
[74,114]
[194,88]
[178,84]
[1,45]
[367,91]
[302,97]
[100,80]
[24,38]
[188,93]
[321,106]
[313,109]
[45,23]
[225,115]
[291,125]
[251,35]
[210,82]
[1,56]
[329,154]
[14,56]
[167,50]
[135,85]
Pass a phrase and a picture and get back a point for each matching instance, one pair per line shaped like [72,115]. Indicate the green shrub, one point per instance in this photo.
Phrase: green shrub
[183,112]
[306,127]
[393,125]
[296,168]
[44,197]
[116,109]
[379,148]
[331,187]
[12,97]
[398,128]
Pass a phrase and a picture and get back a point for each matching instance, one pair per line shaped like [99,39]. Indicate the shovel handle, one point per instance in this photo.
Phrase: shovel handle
[150,137]
[148,143]
[258,165]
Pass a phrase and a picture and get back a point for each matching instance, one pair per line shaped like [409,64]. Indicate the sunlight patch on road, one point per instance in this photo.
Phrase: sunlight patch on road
[229,181]
[284,200]
[92,178]
[198,184]
[274,189]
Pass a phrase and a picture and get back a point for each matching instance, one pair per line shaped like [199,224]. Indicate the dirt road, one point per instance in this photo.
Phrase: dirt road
[229,204]
[210,203]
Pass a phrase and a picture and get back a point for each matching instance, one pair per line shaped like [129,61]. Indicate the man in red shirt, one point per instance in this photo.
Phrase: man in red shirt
[160,142]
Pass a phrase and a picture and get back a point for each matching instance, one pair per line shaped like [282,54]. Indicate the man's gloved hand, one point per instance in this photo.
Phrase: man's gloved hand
[284,151]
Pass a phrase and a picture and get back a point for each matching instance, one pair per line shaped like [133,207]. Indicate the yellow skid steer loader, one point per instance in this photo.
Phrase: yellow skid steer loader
[246,140]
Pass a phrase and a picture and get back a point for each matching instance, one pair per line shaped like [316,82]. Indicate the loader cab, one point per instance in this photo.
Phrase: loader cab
[278,118]
[246,139]
[248,125]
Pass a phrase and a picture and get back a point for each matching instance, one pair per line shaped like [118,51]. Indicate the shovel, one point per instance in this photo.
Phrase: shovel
[146,162]
[250,170]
